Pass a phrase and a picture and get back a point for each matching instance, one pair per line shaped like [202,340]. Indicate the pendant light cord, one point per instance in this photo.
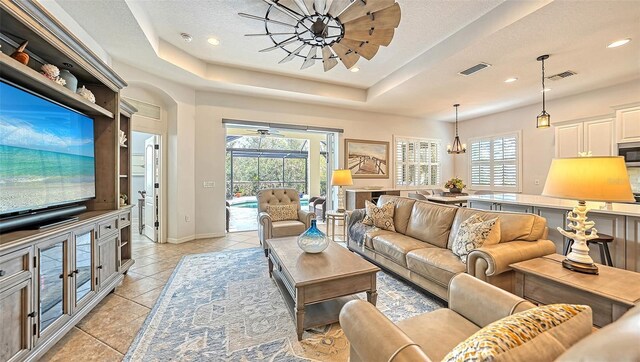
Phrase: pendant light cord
[543,89]
[456,121]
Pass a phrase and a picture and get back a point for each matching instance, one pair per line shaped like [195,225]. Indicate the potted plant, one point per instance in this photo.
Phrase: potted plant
[455,185]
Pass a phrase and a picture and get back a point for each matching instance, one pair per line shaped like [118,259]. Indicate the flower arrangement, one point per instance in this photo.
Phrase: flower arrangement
[455,183]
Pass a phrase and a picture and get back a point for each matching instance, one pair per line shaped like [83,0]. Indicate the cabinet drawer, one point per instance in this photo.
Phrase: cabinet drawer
[14,263]
[107,227]
[124,219]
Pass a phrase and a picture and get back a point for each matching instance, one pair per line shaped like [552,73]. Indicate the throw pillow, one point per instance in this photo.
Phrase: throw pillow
[473,233]
[540,334]
[283,212]
[381,217]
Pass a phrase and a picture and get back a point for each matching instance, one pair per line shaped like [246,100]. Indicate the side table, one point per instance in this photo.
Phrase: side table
[609,294]
[332,218]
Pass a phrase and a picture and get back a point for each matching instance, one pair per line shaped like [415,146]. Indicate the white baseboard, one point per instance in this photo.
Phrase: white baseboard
[184,239]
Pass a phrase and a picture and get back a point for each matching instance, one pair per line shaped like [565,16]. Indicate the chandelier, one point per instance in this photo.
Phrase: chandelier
[328,30]
[458,147]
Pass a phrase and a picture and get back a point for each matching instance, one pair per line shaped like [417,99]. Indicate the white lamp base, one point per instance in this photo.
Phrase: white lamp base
[340,199]
[578,259]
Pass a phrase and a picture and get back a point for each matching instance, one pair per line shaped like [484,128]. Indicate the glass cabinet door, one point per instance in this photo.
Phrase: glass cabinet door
[83,266]
[51,274]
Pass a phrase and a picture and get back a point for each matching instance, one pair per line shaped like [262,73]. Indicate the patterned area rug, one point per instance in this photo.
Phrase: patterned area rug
[224,307]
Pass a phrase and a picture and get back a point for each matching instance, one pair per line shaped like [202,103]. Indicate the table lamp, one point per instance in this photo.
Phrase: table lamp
[341,178]
[586,179]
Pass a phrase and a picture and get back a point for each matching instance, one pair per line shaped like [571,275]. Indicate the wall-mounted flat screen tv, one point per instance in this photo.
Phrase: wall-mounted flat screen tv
[46,153]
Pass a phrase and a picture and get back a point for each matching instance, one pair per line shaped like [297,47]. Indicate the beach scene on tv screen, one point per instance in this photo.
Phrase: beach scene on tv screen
[46,153]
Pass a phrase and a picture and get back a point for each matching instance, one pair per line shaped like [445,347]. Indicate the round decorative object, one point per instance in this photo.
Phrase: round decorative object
[50,71]
[455,190]
[86,94]
[70,79]
[313,240]
[20,55]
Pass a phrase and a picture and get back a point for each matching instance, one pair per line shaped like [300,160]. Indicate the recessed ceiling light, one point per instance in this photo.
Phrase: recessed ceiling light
[545,90]
[510,80]
[213,41]
[354,69]
[618,43]
[186,37]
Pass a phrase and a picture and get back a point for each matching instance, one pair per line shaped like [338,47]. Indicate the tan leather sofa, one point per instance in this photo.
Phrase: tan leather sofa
[473,304]
[420,248]
[268,229]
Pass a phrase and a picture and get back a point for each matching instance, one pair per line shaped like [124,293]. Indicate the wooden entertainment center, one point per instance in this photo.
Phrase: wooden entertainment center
[51,278]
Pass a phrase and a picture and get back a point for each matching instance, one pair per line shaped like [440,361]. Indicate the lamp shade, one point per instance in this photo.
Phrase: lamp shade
[589,179]
[341,178]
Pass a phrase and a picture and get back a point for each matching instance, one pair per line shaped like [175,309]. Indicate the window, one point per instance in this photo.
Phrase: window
[495,163]
[417,161]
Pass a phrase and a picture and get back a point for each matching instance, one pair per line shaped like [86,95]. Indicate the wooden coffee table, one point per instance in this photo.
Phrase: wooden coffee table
[316,286]
[609,294]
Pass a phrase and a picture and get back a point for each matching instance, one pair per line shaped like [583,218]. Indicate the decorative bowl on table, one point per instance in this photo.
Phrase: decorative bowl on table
[313,240]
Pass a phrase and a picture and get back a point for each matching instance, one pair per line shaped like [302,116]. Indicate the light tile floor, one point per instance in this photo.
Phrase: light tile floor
[106,333]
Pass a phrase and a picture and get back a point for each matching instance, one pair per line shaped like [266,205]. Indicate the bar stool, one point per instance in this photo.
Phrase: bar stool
[603,241]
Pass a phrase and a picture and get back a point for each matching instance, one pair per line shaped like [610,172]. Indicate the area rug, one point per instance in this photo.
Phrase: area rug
[224,307]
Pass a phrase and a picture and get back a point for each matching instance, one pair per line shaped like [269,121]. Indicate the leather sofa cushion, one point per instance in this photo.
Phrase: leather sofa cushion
[439,265]
[396,246]
[277,197]
[287,228]
[513,226]
[403,207]
[431,222]
[369,235]
[438,332]
[616,342]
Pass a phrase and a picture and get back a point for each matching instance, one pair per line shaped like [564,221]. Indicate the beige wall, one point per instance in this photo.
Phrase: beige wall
[538,146]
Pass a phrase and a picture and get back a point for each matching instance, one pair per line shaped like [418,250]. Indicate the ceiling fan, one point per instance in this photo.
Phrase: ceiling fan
[261,133]
[339,29]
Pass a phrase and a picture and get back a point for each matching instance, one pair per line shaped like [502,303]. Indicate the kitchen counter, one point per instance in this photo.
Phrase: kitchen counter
[622,221]
[544,201]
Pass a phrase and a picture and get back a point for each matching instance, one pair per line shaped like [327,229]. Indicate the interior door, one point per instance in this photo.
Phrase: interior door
[151,187]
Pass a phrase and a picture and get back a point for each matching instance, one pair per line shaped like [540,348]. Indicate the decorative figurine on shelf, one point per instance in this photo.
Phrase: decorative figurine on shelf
[70,79]
[20,55]
[313,240]
[86,94]
[123,200]
[122,137]
[455,185]
[53,73]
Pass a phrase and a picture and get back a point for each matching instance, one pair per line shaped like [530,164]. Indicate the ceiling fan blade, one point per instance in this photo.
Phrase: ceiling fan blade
[361,8]
[327,61]
[310,6]
[373,36]
[302,6]
[293,39]
[292,54]
[309,60]
[384,19]
[269,34]
[260,18]
[338,6]
[348,57]
[321,6]
[366,50]
[283,10]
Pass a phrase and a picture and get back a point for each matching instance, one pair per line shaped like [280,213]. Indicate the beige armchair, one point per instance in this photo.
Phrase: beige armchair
[268,229]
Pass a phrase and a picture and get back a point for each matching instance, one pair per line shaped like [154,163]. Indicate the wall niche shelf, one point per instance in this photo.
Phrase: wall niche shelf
[18,73]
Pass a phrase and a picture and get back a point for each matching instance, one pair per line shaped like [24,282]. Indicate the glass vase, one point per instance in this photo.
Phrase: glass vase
[313,240]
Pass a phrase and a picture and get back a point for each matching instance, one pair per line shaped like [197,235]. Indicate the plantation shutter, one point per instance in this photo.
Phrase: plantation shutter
[417,162]
[495,163]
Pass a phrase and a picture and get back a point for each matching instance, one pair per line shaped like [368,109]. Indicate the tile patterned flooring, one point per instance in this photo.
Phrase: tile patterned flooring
[106,333]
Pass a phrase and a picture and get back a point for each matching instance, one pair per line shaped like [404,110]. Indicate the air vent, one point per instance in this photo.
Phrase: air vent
[145,109]
[475,68]
[566,73]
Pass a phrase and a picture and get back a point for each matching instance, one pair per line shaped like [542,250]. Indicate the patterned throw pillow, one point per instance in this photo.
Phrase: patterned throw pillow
[473,233]
[381,217]
[283,212]
[500,340]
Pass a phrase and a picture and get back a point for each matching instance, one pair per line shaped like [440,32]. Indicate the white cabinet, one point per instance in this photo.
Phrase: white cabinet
[628,125]
[595,136]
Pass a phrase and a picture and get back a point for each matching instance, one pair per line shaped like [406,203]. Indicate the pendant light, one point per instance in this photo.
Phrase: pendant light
[544,119]
[458,147]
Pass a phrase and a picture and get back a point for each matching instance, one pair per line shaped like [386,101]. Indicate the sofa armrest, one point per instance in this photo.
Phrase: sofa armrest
[306,217]
[480,302]
[374,338]
[492,260]
[264,228]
